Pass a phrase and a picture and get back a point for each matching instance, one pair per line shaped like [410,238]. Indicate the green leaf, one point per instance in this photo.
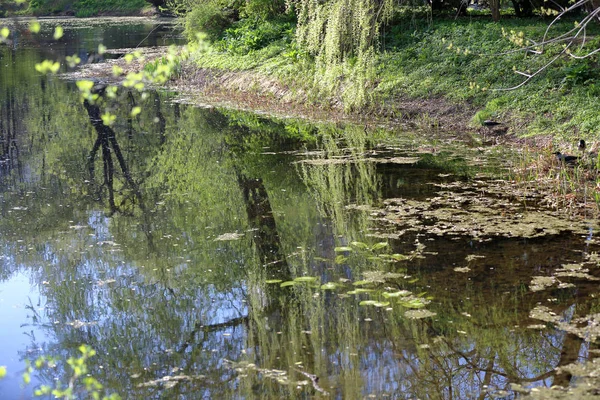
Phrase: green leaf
[360,245]
[273,281]
[362,283]
[34,27]
[380,245]
[85,86]
[108,119]
[360,291]
[117,71]
[58,32]
[374,303]
[414,303]
[73,60]
[2,371]
[287,283]
[305,279]
[329,286]
[135,111]
[401,293]
[342,249]
[4,32]
[340,259]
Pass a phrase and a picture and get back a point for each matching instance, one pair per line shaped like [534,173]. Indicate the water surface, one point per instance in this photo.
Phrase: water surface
[209,253]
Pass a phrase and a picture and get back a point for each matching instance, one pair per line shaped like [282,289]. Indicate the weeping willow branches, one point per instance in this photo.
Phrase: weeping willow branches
[343,36]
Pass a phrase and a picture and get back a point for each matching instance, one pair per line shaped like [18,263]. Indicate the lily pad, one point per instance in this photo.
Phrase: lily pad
[419,314]
[374,303]
[329,286]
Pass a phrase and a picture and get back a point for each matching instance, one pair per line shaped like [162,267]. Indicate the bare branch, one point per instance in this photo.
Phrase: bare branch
[570,38]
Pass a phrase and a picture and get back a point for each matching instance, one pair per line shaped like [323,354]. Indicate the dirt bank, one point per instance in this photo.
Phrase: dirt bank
[248,90]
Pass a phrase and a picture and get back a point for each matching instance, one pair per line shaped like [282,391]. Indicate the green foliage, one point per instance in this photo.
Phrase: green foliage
[582,73]
[80,383]
[263,9]
[210,17]
[85,8]
[247,35]
[343,35]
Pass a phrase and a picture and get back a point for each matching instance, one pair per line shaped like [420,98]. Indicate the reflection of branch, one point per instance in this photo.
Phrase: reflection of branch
[315,381]
[212,328]
[92,157]
[511,377]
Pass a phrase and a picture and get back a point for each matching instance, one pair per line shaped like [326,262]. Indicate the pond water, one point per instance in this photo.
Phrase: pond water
[209,253]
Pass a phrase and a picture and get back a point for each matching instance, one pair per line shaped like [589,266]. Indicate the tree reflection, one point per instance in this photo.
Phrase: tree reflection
[167,277]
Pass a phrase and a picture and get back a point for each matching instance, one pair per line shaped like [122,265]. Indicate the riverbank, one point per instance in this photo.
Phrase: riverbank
[427,81]
[80,9]
[447,74]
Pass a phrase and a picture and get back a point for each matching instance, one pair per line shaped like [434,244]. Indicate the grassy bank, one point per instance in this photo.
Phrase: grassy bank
[78,8]
[463,61]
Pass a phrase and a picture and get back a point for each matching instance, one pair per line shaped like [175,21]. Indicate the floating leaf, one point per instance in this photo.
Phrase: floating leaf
[380,245]
[287,283]
[273,281]
[342,249]
[340,259]
[360,291]
[360,245]
[305,279]
[329,286]
[362,283]
[414,303]
[419,314]
[401,293]
[374,303]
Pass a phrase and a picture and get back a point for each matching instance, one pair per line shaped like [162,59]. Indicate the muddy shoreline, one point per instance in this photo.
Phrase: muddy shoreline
[251,91]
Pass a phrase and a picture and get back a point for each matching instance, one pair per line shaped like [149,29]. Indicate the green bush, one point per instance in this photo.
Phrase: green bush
[247,35]
[263,9]
[209,17]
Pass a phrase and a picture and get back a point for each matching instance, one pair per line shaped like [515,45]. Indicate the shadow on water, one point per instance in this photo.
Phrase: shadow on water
[221,254]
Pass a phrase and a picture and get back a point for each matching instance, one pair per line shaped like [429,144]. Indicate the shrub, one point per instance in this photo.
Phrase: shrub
[245,35]
[209,17]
